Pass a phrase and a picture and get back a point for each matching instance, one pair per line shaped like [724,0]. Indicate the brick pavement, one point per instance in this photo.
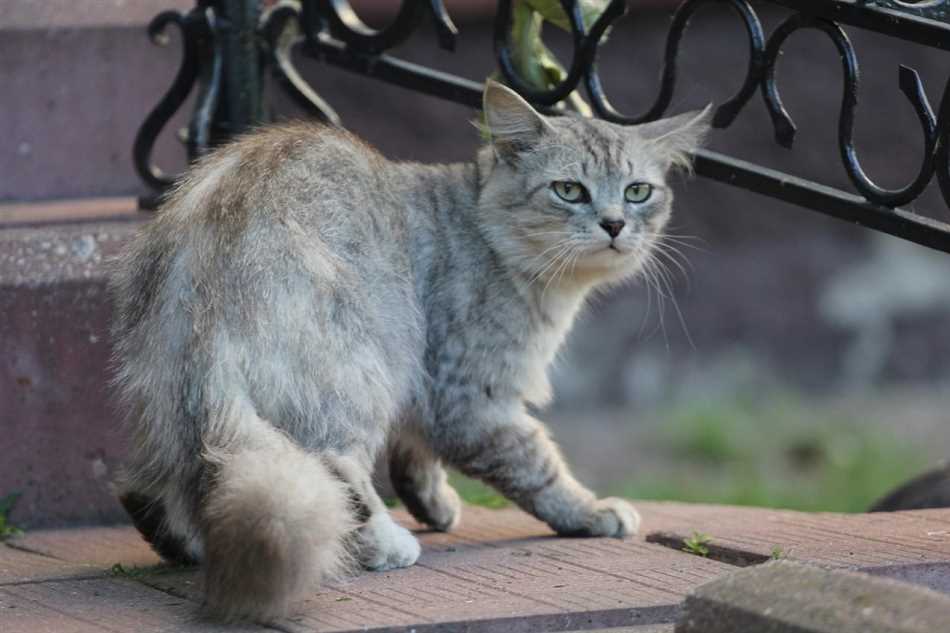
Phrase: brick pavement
[500,571]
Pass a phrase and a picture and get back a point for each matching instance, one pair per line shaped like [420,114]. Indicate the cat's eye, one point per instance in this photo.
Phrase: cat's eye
[638,192]
[570,191]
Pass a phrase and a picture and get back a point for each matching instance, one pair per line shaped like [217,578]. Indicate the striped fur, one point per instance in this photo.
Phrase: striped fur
[300,301]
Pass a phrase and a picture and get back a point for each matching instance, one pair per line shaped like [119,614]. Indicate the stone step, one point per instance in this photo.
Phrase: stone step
[787,597]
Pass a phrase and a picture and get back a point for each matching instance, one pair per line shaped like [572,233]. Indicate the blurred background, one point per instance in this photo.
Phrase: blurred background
[792,360]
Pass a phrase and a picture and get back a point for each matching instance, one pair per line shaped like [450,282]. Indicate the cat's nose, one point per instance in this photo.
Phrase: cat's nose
[613,227]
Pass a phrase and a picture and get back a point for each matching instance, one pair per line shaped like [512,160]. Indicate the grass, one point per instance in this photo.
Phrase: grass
[698,544]
[776,454]
[476,493]
[472,491]
[7,529]
[770,452]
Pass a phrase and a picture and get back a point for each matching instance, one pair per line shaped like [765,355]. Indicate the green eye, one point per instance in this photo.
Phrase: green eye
[638,192]
[569,191]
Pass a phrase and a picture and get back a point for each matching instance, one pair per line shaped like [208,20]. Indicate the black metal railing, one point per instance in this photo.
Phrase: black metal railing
[229,45]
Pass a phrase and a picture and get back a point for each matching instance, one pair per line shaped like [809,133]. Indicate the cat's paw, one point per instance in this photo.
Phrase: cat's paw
[385,545]
[442,509]
[434,503]
[609,517]
[614,517]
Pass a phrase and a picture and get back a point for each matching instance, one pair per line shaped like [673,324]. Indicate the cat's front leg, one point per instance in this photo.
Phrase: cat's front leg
[511,451]
[420,481]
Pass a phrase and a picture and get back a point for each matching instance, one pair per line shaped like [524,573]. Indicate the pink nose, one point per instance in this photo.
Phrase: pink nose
[613,227]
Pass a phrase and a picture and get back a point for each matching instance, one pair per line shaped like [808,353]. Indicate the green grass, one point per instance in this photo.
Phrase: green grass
[7,529]
[776,454]
[476,493]
[472,491]
[697,544]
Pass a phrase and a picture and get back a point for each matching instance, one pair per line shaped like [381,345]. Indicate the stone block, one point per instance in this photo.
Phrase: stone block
[788,597]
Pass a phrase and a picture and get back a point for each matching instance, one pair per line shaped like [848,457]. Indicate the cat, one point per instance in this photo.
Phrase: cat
[300,304]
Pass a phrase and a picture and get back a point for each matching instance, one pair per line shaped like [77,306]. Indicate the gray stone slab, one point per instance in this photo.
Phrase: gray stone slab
[788,597]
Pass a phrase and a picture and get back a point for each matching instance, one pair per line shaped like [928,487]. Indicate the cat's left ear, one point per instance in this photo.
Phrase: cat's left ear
[677,137]
[514,126]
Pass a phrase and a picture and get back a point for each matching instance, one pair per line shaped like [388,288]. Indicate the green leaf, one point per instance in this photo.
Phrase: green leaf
[552,11]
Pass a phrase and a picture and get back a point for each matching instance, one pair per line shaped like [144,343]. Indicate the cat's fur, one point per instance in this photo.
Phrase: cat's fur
[300,301]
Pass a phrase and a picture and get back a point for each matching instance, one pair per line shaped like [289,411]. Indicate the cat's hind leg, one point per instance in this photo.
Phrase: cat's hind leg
[381,543]
[150,518]
[420,481]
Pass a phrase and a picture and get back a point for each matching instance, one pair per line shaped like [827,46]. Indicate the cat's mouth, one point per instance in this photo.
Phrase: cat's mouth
[617,248]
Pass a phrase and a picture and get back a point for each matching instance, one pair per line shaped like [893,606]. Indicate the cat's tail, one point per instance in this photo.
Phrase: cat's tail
[275,523]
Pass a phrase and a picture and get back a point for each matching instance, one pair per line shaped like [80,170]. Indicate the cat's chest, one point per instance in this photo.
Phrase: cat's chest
[556,312]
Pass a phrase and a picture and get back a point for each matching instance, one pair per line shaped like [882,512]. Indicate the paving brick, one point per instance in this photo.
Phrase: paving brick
[17,566]
[852,541]
[505,571]
[99,605]
[98,546]
[500,571]
[788,597]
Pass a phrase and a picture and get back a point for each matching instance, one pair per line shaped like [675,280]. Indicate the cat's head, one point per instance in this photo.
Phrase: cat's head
[575,200]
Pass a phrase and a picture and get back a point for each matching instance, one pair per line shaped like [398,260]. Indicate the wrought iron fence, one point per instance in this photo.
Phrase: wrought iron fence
[229,45]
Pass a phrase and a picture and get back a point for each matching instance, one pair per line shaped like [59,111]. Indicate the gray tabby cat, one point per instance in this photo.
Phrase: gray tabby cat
[300,302]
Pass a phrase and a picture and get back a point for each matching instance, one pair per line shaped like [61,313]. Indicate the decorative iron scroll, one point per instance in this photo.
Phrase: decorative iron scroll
[331,32]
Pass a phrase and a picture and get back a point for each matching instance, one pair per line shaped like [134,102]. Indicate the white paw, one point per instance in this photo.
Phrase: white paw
[613,517]
[386,545]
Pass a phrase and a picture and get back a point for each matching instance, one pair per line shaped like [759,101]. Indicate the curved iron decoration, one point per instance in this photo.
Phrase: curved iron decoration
[909,82]
[330,31]
[346,26]
[191,26]
[198,138]
[281,30]
[725,113]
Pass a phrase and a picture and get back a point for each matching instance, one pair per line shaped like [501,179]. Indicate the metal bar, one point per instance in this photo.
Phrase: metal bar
[401,73]
[900,24]
[331,33]
[823,199]
[243,103]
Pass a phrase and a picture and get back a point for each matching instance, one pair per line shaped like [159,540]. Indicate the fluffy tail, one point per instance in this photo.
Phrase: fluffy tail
[275,525]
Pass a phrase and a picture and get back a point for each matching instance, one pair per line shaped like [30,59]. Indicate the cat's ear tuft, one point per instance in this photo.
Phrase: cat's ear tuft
[512,124]
[677,137]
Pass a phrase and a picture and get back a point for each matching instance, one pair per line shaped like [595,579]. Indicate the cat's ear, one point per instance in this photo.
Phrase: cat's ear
[677,137]
[513,125]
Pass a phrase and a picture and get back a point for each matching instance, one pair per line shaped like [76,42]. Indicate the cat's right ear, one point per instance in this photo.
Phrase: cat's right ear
[513,125]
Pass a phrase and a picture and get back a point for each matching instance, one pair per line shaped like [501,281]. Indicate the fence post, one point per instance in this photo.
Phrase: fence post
[241,106]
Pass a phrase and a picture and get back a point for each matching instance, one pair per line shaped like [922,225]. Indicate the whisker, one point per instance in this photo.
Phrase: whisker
[564,245]
[665,279]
